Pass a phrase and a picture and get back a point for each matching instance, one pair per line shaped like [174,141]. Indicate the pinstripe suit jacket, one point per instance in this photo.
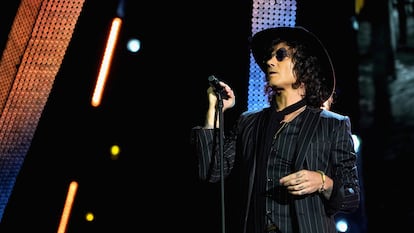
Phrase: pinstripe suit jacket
[324,143]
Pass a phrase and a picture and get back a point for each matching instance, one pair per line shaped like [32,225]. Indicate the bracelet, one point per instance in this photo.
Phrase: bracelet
[323,176]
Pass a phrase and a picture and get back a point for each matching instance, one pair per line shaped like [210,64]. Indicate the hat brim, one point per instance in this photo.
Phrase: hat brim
[262,41]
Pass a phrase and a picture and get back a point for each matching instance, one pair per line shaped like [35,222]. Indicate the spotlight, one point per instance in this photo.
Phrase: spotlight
[342,225]
[134,45]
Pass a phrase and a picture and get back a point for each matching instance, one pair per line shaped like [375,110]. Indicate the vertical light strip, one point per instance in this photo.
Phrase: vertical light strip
[266,14]
[73,187]
[106,61]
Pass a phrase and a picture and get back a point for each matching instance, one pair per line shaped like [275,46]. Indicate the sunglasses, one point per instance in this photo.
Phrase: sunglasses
[280,55]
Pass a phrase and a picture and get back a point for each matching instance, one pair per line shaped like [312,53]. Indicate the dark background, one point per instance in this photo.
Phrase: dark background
[151,101]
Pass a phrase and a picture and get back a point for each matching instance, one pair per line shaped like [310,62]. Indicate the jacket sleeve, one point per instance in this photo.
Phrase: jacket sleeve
[346,190]
[207,148]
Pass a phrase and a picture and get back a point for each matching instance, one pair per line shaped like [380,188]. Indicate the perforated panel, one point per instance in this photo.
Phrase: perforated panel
[39,37]
[266,14]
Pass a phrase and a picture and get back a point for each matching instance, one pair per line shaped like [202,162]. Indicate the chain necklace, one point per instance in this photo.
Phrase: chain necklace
[285,122]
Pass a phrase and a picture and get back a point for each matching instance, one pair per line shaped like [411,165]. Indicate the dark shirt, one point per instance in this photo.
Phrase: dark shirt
[279,205]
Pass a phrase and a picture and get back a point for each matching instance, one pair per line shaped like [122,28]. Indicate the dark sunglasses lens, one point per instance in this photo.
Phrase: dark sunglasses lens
[281,54]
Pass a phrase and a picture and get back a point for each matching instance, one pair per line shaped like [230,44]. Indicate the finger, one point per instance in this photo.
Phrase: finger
[297,190]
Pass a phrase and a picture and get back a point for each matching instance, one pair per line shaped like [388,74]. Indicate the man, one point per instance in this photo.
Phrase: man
[295,160]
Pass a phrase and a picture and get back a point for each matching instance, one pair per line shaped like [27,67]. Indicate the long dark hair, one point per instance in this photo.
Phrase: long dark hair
[308,70]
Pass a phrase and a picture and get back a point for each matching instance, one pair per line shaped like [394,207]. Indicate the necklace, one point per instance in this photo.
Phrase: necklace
[280,129]
[285,122]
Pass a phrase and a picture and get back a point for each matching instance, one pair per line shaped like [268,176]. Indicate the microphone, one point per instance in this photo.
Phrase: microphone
[215,83]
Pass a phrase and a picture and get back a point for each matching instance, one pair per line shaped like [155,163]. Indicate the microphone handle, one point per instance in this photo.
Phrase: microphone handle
[215,83]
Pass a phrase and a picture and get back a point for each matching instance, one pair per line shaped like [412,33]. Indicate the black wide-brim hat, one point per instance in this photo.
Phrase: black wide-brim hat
[263,40]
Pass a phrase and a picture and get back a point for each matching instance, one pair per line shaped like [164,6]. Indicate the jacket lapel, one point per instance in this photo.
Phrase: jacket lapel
[258,134]
[311,119]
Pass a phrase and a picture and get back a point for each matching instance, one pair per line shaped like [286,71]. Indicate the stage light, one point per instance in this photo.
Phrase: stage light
[342,225]
[134,45]
[106,61]
[89,216]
